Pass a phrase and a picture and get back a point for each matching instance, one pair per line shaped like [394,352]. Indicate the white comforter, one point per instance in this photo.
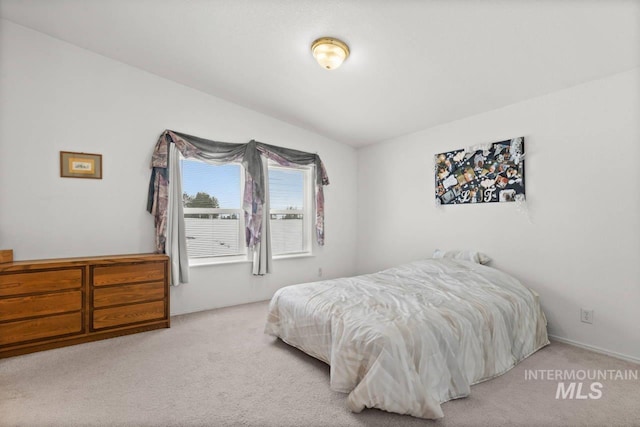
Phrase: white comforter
[409,338]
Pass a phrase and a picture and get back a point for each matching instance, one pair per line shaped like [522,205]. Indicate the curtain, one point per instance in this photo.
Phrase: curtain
[251,156]
[262,255]
[176,242]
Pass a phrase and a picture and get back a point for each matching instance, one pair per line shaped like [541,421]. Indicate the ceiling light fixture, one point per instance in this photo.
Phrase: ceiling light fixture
[329,52]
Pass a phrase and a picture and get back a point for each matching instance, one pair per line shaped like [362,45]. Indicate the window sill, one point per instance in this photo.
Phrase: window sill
[287,256]
[208,263]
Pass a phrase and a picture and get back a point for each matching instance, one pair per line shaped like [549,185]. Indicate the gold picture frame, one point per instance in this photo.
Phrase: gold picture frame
[80,165]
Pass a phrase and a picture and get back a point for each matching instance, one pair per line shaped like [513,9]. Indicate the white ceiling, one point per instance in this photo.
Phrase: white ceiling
[413,64]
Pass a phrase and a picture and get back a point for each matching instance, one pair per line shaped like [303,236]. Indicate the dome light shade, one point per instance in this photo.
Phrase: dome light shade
[329,52]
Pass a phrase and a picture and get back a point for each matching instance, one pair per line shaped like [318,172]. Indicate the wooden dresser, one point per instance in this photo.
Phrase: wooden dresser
[58,302]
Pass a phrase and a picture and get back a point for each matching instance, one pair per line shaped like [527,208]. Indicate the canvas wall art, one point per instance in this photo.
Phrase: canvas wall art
[492,173]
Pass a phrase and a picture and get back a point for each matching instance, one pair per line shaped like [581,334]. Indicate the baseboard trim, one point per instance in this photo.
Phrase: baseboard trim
[596,349]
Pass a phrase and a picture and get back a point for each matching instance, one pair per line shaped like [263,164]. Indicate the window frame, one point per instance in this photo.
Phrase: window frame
[306,211]
[243,252]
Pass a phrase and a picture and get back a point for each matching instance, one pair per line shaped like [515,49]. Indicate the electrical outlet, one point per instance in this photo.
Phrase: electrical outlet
[586,316]
[320,272]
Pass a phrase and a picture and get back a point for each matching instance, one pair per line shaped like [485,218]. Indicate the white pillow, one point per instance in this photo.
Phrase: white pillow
[473,256]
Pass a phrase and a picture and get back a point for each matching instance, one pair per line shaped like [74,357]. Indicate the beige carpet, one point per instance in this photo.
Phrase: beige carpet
[216,368]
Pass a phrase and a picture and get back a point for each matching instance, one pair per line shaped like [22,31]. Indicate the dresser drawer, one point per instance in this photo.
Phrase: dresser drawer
[127,294]
[128,273]
[127,314]
[44,327]
[39,281]
[39,305]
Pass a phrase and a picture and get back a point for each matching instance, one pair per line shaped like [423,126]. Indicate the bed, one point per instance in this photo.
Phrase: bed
[412,337]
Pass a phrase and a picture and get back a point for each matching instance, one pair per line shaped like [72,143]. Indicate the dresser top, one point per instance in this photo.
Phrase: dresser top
[39,264]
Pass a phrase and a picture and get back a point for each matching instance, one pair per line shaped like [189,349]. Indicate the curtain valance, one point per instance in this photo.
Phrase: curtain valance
[250,155]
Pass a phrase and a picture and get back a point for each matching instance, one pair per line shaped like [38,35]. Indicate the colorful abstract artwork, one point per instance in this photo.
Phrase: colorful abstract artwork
[492,173]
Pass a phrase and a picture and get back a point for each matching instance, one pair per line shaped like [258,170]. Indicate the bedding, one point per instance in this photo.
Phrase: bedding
[409,338]
[474,256]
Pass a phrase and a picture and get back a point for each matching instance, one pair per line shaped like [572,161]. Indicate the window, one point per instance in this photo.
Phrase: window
[290,214]
[214,219]
[213,215]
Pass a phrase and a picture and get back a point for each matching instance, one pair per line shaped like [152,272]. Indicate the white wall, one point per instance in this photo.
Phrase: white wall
[582,248]
[55,96]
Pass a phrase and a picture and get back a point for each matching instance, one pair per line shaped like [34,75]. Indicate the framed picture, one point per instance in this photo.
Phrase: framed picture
[80,165]
[492,174]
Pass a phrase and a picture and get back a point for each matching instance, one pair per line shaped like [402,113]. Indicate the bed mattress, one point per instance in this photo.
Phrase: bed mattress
[409,338]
